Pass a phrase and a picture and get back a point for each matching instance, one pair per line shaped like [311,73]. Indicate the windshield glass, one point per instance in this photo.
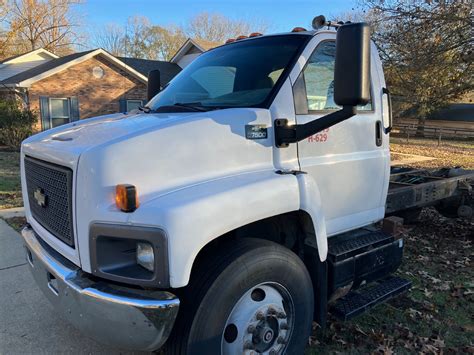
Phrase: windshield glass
[240,74]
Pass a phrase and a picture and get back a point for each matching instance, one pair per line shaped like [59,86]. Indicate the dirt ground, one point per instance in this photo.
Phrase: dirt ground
[448,154]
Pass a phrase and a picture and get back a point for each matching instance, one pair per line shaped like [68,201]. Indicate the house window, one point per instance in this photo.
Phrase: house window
[57,111]
[60,112]
[133,104]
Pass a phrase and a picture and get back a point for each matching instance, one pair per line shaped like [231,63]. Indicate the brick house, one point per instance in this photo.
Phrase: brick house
[80,85]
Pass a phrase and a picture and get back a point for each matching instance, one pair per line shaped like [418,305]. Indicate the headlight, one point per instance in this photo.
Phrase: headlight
[146,256]
[129,254]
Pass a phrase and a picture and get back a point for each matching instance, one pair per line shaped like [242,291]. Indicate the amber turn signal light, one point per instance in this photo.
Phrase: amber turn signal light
[126,197]
[298,29]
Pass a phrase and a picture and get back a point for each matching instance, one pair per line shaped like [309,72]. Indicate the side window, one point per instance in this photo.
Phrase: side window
[318,81]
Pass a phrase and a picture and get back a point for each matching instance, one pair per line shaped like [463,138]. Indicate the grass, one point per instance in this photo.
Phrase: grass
[10,186]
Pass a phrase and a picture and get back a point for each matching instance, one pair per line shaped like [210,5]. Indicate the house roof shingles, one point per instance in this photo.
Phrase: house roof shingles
[143,66]
[27,74]
[167,70]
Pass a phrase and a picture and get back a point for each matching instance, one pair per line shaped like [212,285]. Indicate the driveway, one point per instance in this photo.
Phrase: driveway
[28,324]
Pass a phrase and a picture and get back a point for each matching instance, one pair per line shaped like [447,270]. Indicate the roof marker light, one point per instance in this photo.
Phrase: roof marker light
[255,34]
[298,29]
[230,40]
[241,37]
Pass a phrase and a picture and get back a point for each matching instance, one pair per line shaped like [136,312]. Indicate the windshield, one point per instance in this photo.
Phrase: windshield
[240,74]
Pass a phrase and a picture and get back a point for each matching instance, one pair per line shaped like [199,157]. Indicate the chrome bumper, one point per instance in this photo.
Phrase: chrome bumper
[111,314]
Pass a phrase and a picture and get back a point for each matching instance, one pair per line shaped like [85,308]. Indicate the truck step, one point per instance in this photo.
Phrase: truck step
[357,302]
[354,243]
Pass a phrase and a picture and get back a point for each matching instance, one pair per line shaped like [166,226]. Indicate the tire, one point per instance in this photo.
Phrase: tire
[245,277]
[449,207]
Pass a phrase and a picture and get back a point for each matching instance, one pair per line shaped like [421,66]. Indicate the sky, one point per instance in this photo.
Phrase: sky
[280,15]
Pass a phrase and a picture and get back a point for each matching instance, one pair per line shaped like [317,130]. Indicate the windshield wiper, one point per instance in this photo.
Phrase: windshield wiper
[145,109]
[196,106]
[183,107]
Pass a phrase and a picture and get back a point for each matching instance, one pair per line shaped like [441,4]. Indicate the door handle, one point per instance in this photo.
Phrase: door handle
[378,133]
[385,91]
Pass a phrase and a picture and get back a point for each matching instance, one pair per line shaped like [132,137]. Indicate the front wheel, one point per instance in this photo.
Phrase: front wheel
[255,298]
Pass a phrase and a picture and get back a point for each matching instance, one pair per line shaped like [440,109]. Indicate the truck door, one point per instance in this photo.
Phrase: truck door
[349,161]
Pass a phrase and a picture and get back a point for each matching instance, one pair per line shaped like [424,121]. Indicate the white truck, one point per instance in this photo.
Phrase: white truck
[233,210]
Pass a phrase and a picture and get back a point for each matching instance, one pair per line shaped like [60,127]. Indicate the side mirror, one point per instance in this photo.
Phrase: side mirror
[352,67]
[154,84]
[351,85]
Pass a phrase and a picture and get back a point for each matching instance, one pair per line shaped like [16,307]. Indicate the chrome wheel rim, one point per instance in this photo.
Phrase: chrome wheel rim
[261,322]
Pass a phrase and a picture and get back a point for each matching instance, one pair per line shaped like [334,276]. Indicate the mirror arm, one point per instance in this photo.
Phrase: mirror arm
[286,134]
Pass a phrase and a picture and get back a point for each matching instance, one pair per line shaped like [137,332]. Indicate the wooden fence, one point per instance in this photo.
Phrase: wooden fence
[408,130]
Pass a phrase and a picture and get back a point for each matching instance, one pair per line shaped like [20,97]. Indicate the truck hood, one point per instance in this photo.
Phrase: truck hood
[158,152]
[63,145]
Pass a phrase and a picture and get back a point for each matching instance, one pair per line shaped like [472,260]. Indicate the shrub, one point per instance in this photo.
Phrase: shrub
[16,123]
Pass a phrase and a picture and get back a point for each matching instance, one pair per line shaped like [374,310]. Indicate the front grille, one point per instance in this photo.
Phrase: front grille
[49,189]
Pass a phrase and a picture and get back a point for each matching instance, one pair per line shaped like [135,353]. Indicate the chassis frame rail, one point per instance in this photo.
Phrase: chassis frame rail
[412,188]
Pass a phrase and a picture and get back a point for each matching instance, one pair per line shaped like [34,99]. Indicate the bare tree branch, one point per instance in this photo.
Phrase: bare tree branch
[427,49]
[32,24]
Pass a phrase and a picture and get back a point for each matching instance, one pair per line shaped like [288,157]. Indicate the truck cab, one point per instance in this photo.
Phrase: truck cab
[232,210]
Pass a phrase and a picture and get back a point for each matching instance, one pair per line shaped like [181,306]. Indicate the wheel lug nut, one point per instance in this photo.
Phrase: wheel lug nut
[273,352]
[271,311]
[284,326]
[251,329]
[248,345]
[260,315]
[281,315]
[280,340]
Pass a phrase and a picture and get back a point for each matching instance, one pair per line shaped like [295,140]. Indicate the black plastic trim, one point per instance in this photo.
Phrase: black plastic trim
[108,263]
[378,133]
[68,240]
[285,134]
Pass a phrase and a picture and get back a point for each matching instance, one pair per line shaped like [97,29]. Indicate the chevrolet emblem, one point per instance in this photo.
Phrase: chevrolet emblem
[40,197]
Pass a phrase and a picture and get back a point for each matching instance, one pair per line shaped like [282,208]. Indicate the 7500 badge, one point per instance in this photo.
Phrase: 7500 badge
[256,132]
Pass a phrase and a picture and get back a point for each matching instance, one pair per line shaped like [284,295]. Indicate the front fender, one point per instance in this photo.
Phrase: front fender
[310,201]
[194,216]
